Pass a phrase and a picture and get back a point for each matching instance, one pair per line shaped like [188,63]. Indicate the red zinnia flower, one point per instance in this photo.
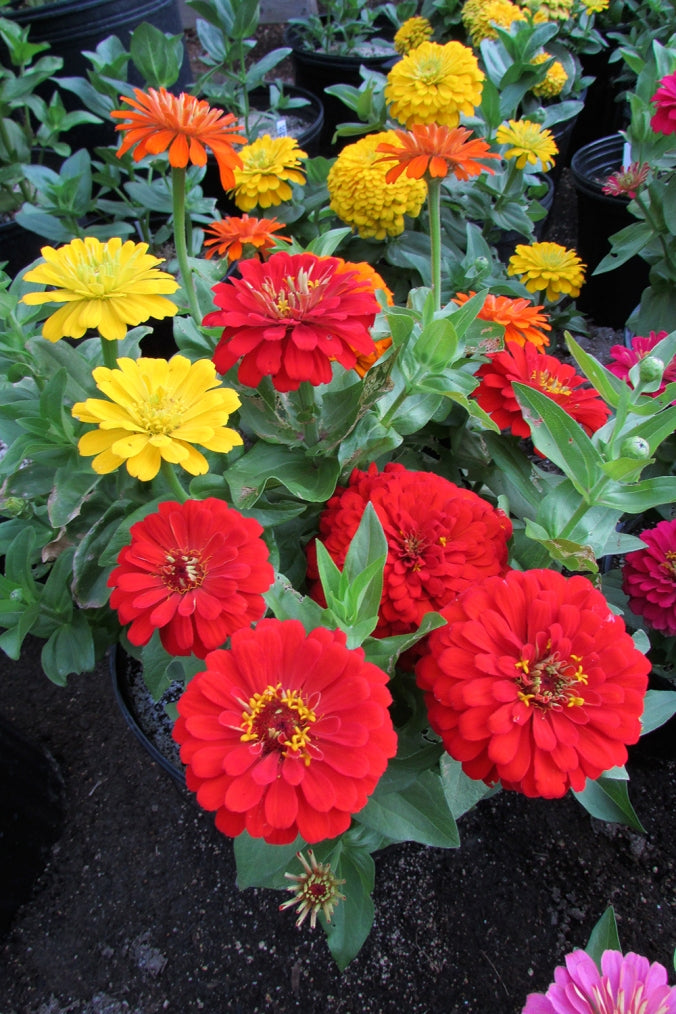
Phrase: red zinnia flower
[440,538]
[285,733]
[184,125]
[237,237]
[194,571]
[624,359]
[291,317]
[664,118]
[649,577]
[534,682]
[542,372]
[521,320]
[434,150]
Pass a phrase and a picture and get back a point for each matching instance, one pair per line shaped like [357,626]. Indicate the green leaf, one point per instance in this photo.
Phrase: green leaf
[603,937]
[658,707]
[640,496]
[157,56]
[461,792]
[560,438]
[352,918]
[69,649]
[419,813]
[288,604]
[263,865]
[314,480]
[384,651]
[571,554]
[607,799]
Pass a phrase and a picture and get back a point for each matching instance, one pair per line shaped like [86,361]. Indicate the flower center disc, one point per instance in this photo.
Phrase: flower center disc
[552,682]
[279,720]
[183,571]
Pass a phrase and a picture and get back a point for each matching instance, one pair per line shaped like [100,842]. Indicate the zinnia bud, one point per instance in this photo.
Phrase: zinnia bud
[635,447]
[650,370]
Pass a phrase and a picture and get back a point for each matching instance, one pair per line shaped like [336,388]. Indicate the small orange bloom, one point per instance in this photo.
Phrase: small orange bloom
[184,125]
[367,273]
[521,320]
[365,362]
[230,237]
[436,149]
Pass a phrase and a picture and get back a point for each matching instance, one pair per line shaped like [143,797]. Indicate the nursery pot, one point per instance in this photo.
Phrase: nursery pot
[31,816]
[147,719]
[608,298]
[72,27]
[316,70]
[603,113]
[506,244]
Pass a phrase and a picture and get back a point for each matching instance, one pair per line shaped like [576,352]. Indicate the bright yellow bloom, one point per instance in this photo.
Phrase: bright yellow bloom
[435,84]
[362,198]
[549,268]
[411,34]
[530,143]
[595,6]
[157,410]
[480,22]
[106,286]
[554,81]
[269,166]
[550,10]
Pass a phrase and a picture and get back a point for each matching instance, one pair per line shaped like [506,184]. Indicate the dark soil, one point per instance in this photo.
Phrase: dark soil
[137,911]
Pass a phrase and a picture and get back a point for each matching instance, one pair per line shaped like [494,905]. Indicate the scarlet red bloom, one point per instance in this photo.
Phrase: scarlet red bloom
[664,118]
[183,125]
[628,181]
[194,571]
[649,577]
[285,733]
[440,538]
[237,237]
[521,320]
[434,149]
[542,372]
[624,358]
[534,682]
[291,317]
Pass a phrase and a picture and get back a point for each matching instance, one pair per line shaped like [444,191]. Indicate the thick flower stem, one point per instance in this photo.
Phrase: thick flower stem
[434,210]
[109,352]
[307,415]
[178,198]
[169,474]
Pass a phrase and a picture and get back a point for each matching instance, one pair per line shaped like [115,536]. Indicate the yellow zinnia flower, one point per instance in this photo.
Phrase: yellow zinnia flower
[269,165]
[435,84]
[595,6]
[549,268]
[412,34]
[106,286]
[362,198]
[554,81]
[157,409]
[480,22]
[529,142]
[550,10]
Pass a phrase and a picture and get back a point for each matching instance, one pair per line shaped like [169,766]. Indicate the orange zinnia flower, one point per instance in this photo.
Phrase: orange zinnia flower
[521,320]
[230,236]
[184,125]
[365,362]
[435,149]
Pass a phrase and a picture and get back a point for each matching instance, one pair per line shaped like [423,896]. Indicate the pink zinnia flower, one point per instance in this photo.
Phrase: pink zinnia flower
[626,984]
[627,181]
[664,118]
[624,358]
[649,577]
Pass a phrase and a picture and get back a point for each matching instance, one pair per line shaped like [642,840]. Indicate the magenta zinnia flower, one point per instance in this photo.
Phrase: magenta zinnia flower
[664,118]
[624,358]
[649,577]
[627,181]
[626,984]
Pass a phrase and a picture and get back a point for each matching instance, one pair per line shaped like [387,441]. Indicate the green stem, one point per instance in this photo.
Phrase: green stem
[650,219]
[109,352]
[434,210]
[308,413]
[178,198]
[169,474]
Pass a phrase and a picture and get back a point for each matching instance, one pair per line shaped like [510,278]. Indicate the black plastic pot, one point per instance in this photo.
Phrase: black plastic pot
[146,718]
[317,70]
[603,112]
[506,244]
[72,27]
[608,298]
[31,816]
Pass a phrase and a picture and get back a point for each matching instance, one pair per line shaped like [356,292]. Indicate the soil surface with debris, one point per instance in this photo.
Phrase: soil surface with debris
[137,911]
